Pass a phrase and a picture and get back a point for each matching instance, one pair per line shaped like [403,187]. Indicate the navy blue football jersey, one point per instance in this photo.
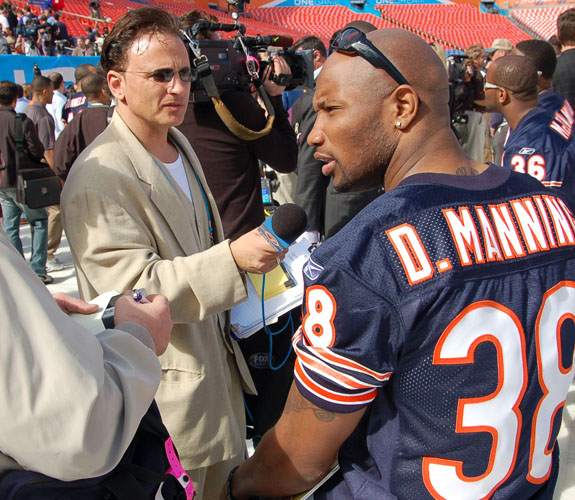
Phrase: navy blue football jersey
[447,307]
[543,146]
[554,102]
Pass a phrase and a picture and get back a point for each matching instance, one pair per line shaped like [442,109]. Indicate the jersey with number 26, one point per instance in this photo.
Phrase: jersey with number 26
[447,306]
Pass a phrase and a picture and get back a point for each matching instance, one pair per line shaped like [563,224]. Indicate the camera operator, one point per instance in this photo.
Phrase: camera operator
[231,164]
[27,40]
[232,171]
[469,120]
[61,34]
[46,40]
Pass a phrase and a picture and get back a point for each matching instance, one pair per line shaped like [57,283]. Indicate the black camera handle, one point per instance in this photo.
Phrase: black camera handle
[204,70]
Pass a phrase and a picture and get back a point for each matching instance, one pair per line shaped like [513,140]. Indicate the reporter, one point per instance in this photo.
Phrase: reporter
[138,213]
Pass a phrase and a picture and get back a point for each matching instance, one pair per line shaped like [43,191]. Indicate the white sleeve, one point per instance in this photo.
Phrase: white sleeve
[71,401]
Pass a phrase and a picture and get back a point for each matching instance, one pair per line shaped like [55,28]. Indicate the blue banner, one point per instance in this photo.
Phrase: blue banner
[20,69]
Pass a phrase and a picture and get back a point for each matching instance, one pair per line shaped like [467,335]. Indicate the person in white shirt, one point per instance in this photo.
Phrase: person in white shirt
[4,20]
[58,101]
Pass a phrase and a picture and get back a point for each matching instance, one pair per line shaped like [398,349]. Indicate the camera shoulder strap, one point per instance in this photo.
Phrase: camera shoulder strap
[204,70]
[236,127]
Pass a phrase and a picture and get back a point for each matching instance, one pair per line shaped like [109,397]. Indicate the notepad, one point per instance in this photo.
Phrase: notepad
[277,281]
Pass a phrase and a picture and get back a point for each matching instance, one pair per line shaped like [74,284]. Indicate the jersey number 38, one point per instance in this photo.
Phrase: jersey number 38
[498,413]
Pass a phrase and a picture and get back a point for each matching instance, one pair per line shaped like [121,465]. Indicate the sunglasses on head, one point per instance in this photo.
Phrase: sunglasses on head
[166,75]
[352,41]
[491,86]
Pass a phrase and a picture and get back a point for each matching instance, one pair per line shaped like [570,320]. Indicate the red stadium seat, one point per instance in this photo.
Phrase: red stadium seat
[454,26]
[542,20]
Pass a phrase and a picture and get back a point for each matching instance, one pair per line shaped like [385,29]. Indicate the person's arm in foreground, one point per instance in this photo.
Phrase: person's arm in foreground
[71,400]
[296,453]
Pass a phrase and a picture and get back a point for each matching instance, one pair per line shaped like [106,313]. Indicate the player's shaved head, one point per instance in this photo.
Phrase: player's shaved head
[418,63]
[413,57]
[517,74]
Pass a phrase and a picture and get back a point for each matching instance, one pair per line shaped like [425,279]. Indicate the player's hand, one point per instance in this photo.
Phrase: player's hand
[154,316]
[280,66]
[254,254]
[70,304]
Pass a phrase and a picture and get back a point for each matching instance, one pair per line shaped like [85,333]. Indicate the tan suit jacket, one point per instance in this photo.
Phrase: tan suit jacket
[130,225]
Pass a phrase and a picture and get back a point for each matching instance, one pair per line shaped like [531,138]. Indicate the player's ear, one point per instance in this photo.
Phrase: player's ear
[405,102]
[504,96]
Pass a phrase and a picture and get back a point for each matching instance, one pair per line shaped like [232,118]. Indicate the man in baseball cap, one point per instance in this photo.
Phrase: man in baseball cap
[499,48]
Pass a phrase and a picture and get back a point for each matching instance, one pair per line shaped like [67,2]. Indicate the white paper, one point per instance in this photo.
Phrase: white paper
[247,316]
[93,322]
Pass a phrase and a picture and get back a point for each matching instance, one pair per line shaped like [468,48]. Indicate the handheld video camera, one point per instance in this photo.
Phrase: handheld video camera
[242,61]
[456,68]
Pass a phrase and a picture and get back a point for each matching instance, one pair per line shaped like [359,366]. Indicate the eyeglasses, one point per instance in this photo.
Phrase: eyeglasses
[490,86]
[165,75]
[352,41]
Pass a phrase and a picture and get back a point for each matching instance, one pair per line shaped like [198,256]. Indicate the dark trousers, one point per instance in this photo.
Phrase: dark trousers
[264,410]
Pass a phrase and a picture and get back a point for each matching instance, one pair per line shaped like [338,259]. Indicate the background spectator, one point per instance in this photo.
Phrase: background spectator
[56,107]
[42,94]
[564,77]
[12,210]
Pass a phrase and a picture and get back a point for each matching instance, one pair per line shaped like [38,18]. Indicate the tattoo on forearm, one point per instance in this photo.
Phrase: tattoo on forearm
[297,403]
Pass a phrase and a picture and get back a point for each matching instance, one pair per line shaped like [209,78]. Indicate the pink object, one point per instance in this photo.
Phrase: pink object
[177,470]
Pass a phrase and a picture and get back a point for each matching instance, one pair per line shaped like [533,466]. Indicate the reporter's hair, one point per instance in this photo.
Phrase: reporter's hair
[566,27]
[8,92]
[311,43]
[541,53]
[40,83]
[438,49]
[474,51]
[132,25]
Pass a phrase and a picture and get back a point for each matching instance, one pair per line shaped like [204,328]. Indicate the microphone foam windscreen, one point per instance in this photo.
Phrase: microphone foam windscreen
[289,221]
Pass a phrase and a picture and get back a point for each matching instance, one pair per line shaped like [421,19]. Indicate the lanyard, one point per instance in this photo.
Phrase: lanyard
[204,195]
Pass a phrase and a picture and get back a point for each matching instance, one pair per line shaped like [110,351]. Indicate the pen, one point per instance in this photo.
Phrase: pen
[139,294]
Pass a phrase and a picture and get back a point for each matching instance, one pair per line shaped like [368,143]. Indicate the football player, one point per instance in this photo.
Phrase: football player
[437,340]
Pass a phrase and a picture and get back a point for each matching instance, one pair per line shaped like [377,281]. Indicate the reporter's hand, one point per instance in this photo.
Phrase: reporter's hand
[280,66]
[154,316]
[70,304]
[254,254]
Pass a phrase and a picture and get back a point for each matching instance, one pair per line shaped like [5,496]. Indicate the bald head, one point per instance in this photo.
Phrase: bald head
[517,74]
[414,58]
[416,61]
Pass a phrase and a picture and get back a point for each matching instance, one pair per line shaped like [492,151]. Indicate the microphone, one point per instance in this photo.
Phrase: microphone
[285,226]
